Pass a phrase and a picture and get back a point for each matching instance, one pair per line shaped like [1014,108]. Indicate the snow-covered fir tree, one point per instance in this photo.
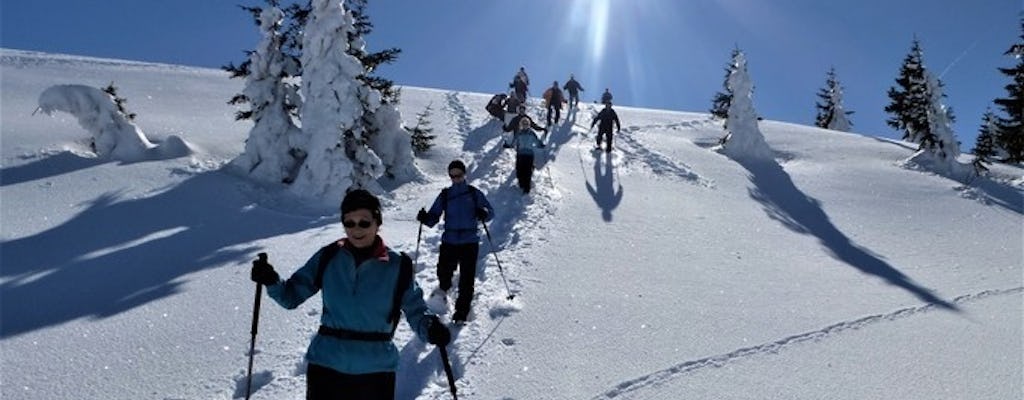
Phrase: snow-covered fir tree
[422,139]
[382,122]
[938,148]
[831,113]
[371,60]
[939,139]
[338,157]
[721,100]
[275,147]
[1010,135]
[909,106]
[745,140]
[985,144]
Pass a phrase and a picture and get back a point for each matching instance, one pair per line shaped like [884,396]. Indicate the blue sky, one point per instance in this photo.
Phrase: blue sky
[667,54]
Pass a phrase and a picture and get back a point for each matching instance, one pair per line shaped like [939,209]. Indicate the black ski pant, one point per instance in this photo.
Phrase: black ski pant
[607,138]
[324,383]
[574,99]
[524,171]
[558,111]
[463,257]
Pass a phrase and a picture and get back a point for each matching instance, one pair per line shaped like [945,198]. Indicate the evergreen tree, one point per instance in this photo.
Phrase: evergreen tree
[939,138]
[909,106]
[334,102]
[831,114]
[119,102]
[721,101]
[275,52]
[744,140]
[422,140]
[362,28]
[1010,129]
[381,121]
[275,147]
[985,145]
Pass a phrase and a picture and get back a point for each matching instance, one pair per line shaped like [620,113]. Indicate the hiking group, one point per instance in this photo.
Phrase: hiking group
[511,109]
[366,286]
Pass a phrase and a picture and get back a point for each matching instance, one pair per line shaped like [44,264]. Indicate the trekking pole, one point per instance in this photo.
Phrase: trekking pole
[418,236]
[255,323]
[448,370]
[489,240]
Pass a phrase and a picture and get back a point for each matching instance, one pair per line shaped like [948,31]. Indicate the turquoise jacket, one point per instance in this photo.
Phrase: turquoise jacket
[358,299]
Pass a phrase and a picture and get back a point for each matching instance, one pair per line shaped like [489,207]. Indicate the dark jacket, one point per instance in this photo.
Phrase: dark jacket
[513,125]
[573,87]
[606,97]
[554,96]
[606,117]
[496,107]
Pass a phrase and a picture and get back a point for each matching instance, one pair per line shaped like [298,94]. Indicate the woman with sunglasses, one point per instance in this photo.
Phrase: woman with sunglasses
[352,355]
[464,207]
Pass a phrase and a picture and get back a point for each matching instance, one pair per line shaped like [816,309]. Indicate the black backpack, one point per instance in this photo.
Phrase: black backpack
[402,284]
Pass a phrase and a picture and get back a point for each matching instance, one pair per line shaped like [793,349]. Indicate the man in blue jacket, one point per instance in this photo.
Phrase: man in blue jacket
[464,207]
[364,285]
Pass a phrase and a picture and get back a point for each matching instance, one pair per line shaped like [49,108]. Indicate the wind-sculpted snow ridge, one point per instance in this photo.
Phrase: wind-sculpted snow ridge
[31,59]
[679,370]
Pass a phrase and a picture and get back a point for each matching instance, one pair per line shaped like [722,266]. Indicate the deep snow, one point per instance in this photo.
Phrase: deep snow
[663,270]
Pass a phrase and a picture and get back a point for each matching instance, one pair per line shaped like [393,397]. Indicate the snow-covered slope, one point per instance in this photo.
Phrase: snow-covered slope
[663,270]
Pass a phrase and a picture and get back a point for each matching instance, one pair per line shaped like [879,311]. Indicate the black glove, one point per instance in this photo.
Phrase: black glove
[481,214]
[422,216]
[263,273]
[437,333]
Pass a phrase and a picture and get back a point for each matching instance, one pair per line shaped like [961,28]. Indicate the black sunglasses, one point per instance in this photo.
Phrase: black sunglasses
[352,224]
[456,176]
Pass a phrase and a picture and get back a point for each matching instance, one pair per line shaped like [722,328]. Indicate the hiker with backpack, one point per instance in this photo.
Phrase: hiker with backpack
[554,99]
[496,106]
[606,97]
[520,84]
[464,208]
[526,142]
[365,287]
[574,88]
[606,118]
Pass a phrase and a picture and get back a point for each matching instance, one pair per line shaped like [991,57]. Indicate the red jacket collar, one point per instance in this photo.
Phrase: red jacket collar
[380,251]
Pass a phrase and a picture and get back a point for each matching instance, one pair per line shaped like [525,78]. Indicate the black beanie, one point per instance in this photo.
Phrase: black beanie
[360,199]
[457,164]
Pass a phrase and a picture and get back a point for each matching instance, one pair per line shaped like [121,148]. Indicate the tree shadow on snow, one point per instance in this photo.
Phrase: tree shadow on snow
[58,164]
[120,253]
[784,202]
[604,193]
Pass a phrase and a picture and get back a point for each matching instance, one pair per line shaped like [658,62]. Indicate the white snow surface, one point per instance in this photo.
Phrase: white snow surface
[663,270]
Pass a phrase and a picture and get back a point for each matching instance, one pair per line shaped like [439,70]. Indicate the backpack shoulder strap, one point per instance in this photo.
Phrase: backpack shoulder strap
[444,199]
[474,192]
[402,284]
[326,254]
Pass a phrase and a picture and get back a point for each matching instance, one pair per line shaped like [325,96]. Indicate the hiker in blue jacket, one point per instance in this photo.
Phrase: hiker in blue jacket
[525,141]
[352,355]
[464,208]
